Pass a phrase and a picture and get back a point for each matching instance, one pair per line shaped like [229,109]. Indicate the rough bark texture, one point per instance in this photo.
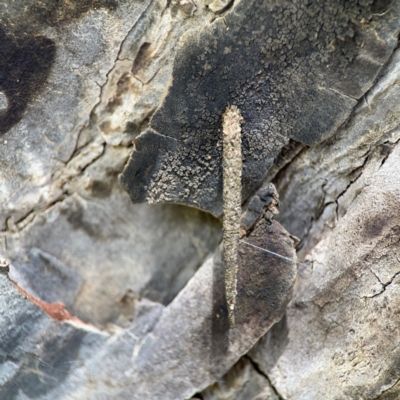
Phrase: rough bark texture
[295,70]
[232,167]
[341,327]
[85,84]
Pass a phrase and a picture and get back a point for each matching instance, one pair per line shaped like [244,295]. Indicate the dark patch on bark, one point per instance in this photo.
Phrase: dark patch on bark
[135,129]
[42,374]
[292,68]
[385,150]
[264,281]
[123,85]
[52,12]
[264,286]
[76,217]
[25,64]
[35,15]
[380,6]
[100,189]
[26,56]
[219,317]
[143,56]
[374,226]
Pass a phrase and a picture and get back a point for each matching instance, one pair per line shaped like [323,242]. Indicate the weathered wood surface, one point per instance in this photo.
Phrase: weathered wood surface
[341,328]
[70,233]
[339,338]
[166,353]
[295,69]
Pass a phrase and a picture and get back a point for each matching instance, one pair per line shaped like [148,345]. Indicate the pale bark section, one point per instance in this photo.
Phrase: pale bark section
[232,198]
[340,335]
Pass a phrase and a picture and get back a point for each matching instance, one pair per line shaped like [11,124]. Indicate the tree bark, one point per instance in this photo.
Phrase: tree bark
[108,104]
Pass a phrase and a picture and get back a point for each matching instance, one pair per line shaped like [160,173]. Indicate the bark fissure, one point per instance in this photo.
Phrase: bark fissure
[18,226]
[92,118]
[58,185]
[384,285]
[262,373]
[380,397]
[225,9]
[358,171]
[31,214]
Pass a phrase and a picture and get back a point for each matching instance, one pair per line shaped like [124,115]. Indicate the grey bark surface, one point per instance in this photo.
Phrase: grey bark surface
[91,89]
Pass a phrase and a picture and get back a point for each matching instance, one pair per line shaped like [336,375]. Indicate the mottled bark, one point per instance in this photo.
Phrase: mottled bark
[107,104]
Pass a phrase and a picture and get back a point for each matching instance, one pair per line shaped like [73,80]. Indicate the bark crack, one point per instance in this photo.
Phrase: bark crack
[225,9]
[107,76]
[59,193]
[384,285]
[387,390]
[388,147]
[74,168]
[359,170]
[259,371]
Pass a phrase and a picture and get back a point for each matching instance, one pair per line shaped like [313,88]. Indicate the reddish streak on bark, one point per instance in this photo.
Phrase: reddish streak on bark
[56,310]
